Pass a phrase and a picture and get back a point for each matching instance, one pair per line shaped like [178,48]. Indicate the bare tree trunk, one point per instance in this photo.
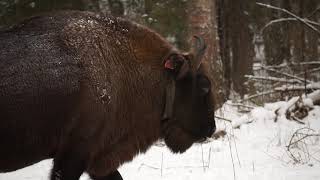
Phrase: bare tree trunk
[241,45]
[237,50]
[285,29]
[311,37]
[224,39]
[276,48]
[298,35]
[202,22]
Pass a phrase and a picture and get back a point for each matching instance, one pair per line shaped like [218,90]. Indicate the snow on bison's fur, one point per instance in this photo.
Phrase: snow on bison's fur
[92,92]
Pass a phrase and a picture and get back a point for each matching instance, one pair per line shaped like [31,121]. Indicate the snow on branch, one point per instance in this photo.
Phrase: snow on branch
[283,65]
[302,20]
[258,95]
[307,63]
[312,86]
[315,97]
[298,107]
[241,105]
[275,79]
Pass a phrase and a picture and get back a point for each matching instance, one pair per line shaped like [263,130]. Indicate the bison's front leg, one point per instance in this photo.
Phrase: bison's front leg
[68,165]
[113,176]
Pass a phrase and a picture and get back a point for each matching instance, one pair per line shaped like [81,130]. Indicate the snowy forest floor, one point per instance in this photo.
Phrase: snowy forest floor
[256,150]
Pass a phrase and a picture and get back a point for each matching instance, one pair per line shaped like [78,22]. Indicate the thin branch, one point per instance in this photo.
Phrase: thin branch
[258,95]
[297,88]
[204,167]
[297,139]
[222,118]
[234,169]
[286,20]
[209,158]
[310,71]
[146,165]
[241,105]
[236,148]
[161,164]
[286,74]
[276,158]
[308,63]
[315,159]
[297,120]
[284,65]
[304,134]
[275,79]
[291,14]
[313,12]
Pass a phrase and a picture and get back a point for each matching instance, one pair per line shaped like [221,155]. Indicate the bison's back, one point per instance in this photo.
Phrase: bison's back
[39,82]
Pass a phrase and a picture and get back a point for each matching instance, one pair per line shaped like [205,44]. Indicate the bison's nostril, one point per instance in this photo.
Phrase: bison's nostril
[211,130]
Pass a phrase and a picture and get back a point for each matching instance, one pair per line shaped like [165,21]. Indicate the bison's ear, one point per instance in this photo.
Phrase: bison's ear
[178,65]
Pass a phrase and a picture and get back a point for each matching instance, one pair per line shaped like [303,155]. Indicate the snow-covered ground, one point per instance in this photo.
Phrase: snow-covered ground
[255,151]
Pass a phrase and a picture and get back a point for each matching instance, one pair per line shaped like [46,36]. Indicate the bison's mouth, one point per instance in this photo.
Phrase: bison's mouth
[176,137]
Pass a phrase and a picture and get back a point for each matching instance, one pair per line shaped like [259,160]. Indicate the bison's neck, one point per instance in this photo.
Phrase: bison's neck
[141,84]
[148,46]
[123,69]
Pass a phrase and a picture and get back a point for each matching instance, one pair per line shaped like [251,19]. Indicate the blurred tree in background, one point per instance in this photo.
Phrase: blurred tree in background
[202,21]
[237,49]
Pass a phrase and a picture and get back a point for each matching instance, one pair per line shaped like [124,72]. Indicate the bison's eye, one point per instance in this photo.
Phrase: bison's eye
[174,62]
[203,85]
[177,65]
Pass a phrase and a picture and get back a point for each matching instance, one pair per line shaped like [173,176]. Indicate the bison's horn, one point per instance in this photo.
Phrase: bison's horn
[199,49]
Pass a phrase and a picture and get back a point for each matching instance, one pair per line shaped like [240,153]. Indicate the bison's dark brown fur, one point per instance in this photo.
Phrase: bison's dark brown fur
[90,92]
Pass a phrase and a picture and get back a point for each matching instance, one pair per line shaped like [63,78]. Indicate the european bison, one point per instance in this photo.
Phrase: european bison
[92,92]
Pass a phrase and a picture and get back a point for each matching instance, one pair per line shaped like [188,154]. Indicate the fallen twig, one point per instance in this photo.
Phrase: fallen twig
[295,142]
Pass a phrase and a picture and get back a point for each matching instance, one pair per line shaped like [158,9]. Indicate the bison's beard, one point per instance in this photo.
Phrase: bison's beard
[177,139]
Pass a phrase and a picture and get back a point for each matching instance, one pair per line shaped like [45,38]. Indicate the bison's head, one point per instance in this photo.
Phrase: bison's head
[188,114]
